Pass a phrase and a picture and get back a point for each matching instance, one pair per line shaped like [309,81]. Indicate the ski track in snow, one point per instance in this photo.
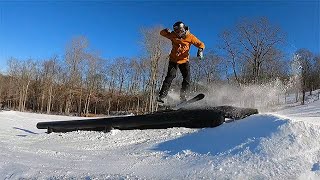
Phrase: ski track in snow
[279,145]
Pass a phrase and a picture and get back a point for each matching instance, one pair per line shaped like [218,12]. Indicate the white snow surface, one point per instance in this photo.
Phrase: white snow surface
[277,145]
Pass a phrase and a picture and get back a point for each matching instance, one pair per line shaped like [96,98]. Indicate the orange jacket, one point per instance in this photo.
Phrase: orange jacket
[181,46]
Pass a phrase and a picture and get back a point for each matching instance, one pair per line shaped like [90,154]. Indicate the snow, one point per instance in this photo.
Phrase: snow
[275,145]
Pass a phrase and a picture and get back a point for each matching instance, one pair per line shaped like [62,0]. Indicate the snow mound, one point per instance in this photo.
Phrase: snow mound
[258,147]
[229,138]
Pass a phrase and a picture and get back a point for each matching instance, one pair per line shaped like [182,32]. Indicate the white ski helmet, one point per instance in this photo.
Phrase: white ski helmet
[180,28]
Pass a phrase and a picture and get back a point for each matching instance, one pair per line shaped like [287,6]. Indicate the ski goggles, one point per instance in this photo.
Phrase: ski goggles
[180,31]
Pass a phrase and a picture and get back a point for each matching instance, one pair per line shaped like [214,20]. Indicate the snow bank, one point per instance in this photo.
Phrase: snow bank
[258,147]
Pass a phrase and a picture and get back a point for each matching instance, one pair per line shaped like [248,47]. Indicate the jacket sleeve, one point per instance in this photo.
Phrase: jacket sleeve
[196,42]
[166,34]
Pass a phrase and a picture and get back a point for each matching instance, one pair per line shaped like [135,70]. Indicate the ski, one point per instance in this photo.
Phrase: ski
[180,105]
[187,102]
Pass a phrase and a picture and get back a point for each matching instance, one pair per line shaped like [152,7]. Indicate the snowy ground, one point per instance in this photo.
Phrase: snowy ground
[277,145]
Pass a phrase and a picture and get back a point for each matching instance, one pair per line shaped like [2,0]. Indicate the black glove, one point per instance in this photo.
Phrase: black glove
[200,53]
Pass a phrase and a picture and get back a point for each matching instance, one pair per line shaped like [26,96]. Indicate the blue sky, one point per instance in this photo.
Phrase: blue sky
[41,29]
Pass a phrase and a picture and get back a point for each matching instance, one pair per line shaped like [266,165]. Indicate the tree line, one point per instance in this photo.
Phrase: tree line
[82,83]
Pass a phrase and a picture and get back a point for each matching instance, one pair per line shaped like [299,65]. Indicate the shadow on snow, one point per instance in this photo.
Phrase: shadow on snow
[24,130]
[230,138]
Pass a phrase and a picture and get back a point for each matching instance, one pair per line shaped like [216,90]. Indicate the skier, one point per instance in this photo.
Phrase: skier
[181,39]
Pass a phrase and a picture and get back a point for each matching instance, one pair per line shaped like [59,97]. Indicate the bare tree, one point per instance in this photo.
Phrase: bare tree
[50,69]
[232,53]
[93,81]
[209,67]
[251,44]
[135,76]
[275,66]
[155,46]
[2,83]
[121,72]
[316,72]
[23,72]
[206,72]
[10,85]
[75,56]
[295,80]
[305,58]
[111,76]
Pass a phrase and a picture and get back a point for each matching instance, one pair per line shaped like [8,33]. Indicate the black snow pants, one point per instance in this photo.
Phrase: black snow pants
[171,74]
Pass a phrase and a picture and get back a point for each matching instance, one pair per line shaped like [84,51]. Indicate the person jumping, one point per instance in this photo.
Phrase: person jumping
[181,39]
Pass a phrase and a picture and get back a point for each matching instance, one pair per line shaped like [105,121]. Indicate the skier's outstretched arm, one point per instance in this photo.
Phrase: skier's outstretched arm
[200,45]
[166,33]
[196,42]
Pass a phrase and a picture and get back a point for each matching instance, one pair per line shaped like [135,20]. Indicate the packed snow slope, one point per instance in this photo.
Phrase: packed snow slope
[278,145]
